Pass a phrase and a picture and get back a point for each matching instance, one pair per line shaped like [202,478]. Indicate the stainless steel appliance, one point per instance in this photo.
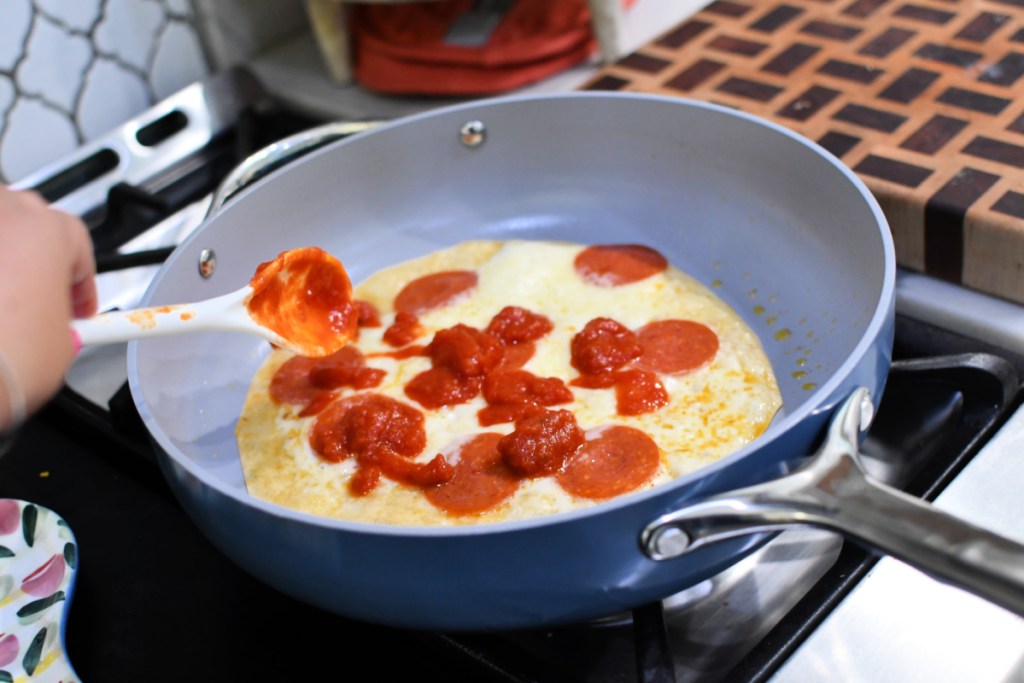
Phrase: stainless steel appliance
[155,601]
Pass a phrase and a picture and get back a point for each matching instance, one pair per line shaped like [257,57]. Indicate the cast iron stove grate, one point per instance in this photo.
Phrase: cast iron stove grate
[936,413]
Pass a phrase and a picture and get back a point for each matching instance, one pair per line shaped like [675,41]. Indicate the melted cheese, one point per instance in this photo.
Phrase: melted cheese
[712,411]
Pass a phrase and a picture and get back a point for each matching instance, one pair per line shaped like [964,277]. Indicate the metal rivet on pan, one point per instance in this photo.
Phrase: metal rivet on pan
[473,133]
[207,263]
[669,542]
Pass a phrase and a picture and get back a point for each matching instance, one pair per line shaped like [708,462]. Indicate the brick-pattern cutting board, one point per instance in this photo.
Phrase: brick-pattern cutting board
[923,99]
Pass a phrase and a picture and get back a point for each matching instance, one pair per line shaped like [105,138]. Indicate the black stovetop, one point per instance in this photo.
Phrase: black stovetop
[155,601]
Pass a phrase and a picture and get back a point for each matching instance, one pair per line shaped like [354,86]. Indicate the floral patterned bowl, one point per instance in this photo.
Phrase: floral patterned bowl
[38,559]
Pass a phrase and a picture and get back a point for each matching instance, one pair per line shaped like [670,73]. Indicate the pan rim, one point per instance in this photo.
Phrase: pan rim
[823,398]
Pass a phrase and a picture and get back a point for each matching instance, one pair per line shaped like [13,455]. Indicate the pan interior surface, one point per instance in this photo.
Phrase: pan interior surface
[778,229]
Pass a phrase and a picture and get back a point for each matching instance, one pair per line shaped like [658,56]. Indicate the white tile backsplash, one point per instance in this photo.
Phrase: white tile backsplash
[111,94]
[178,59]
[53,63]
[33,132]
[132,48]
[15,20]
[79,15]
[6,93]
[72,71]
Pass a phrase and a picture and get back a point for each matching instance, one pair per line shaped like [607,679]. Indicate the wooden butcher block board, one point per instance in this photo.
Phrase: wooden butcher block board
[924,100]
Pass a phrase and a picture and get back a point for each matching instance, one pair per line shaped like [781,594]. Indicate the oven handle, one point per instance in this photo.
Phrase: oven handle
[277,154]
[832,491]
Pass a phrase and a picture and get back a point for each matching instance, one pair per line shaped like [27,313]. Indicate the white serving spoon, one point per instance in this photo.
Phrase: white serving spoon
[300,301]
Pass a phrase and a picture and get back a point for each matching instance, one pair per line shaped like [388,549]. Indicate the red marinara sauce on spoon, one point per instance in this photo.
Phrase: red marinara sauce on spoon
[305,296]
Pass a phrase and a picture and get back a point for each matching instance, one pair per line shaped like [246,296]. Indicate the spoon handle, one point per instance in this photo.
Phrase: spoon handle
[220,313]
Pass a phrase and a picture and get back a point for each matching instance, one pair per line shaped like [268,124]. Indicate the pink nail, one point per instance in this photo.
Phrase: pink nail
[76,341]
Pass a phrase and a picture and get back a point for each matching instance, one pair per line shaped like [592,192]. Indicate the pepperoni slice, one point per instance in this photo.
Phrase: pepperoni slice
[676,346]
[435,290]
[618,264]
[345,375]
[516,356]
[318,404]
[481,480]
[617,460]
[300,379]
[291,384]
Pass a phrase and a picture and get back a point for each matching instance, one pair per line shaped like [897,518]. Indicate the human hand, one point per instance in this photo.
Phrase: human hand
[47,276]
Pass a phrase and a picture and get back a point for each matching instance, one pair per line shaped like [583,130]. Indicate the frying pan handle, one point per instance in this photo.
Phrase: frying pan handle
[277,154]
[833,492]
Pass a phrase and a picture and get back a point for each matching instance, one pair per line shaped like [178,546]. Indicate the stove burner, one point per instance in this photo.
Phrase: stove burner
[935,414]
[942,406]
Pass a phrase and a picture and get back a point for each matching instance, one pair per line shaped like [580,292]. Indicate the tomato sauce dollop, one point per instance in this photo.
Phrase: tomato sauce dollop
[638,392]
[439,387]
[610,355]
[466,350]
[354,425]
[514,394]
[305,296]
[460,357]
[516,325]
[383,435]
[599,350]
[369,316]
[541,443]
[403,330]
[603,345]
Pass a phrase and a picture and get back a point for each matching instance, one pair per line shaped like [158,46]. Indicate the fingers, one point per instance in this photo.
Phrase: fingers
[25,200]
[75,236]
[83,270]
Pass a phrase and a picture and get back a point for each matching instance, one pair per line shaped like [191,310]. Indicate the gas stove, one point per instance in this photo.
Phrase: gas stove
[155,601]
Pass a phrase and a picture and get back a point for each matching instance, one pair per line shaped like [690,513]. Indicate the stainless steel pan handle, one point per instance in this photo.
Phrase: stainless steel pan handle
[832,491]
[279,153]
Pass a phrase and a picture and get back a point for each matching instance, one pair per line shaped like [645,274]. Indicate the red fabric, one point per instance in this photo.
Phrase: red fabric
[401,49]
